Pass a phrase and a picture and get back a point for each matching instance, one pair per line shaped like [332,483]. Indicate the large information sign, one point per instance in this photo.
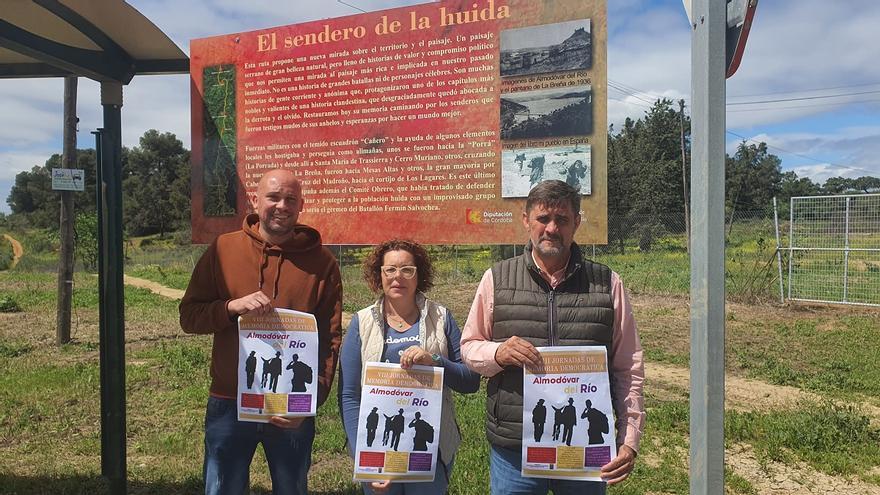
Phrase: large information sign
[431,122]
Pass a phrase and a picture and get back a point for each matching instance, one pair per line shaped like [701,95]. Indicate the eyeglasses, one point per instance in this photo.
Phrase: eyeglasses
[390,271]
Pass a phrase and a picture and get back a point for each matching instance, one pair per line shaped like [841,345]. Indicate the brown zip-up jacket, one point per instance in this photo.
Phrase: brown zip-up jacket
[300,274]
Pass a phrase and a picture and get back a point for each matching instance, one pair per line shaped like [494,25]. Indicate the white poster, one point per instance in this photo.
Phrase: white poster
[277,365]
[68,179]
[568,422]
[399,423]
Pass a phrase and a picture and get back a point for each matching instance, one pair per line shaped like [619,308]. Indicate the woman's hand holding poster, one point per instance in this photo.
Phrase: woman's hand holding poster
[399,426]
[277,363]
[567,416]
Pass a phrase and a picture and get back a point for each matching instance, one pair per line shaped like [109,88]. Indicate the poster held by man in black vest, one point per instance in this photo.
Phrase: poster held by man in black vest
[573,381]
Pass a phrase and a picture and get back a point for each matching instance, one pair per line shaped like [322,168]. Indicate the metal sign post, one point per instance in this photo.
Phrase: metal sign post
[708,69]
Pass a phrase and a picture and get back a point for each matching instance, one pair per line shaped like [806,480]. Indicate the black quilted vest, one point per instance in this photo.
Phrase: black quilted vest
[579,311]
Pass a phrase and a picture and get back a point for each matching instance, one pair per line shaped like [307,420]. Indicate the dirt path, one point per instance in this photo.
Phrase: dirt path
[745,394]
[17,250]
[775,478]
[767,477]
[170,293]
[153,287]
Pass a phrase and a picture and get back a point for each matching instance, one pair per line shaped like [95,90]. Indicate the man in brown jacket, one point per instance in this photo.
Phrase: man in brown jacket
[271,262]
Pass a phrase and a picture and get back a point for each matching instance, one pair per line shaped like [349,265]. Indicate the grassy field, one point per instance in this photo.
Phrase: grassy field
[49,397]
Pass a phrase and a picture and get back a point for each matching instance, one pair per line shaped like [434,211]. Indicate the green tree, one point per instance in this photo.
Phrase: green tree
[156,185]
[844,185]
[645,189]
[790,185]
[867,184]
[753,178]
[32,196]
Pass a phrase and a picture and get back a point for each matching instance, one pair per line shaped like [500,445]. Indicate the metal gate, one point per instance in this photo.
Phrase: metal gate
[834,249]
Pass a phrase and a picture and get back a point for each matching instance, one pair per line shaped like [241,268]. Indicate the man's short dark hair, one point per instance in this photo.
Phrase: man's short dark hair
[554,194]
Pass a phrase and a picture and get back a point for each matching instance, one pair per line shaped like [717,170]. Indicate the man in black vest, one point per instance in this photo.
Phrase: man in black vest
[551,296]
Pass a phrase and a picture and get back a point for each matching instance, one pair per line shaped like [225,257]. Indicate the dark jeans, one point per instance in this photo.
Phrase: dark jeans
[230,446]
[505,478]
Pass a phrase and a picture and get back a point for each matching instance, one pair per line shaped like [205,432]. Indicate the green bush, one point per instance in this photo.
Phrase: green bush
[6,255]
[9,305]
[86,239]
[836,439]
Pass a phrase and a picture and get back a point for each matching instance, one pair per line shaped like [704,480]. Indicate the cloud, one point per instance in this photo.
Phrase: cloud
[234,16]
[644,50]
[31,111]
[847,152]
[11,163]
[795,45]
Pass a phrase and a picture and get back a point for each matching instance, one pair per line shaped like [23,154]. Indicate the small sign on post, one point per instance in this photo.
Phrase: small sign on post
[739,21]
[68,179]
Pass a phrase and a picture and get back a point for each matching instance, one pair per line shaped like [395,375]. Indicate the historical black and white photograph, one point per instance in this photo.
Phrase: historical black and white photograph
[547,48]
[547,113]
[523,169]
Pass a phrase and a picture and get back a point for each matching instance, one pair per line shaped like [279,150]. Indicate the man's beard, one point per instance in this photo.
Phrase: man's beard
[278,227]
[549,251]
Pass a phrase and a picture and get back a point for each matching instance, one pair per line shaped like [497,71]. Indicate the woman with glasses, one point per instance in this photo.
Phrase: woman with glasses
[404,326]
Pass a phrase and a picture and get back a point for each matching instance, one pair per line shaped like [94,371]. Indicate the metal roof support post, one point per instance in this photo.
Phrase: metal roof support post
[113,447]
[709,23]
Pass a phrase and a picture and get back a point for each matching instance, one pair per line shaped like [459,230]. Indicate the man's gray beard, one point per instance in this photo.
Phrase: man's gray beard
[551,252]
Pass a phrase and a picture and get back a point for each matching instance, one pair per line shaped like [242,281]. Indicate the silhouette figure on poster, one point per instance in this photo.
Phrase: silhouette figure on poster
[397,423]
[372,424]
[575,172]
[250,368]
[424,433]
[597,423]
[520,159]
[302,374]
[389,425]
[539,415]
[568,416]
[265,379]
[274,371]
[537,166]
[557,422]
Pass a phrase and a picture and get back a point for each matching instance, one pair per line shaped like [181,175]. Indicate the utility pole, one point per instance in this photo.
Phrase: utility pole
[65,262]
[707,247]
[684,182]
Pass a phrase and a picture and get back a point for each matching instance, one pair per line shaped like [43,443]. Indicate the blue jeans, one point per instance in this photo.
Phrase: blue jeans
[505,478]
[442,475]
[230,445]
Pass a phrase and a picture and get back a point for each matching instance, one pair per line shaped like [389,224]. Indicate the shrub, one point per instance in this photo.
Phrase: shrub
[9,305]
[6,255]
[86,239]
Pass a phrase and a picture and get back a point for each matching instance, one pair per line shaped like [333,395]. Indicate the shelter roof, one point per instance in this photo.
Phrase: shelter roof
[104,40]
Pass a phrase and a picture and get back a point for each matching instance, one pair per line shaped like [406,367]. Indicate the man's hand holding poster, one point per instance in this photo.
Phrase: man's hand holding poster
[399,427]
[277,363]
[568,424]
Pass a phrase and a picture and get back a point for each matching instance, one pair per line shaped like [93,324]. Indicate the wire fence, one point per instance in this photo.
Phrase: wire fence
[834,249]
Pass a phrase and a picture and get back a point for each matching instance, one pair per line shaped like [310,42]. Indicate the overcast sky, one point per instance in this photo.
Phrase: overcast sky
[809,83]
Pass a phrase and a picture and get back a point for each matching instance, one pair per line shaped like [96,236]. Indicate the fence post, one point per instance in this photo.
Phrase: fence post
[846,250]
[790,242]
[778,251]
